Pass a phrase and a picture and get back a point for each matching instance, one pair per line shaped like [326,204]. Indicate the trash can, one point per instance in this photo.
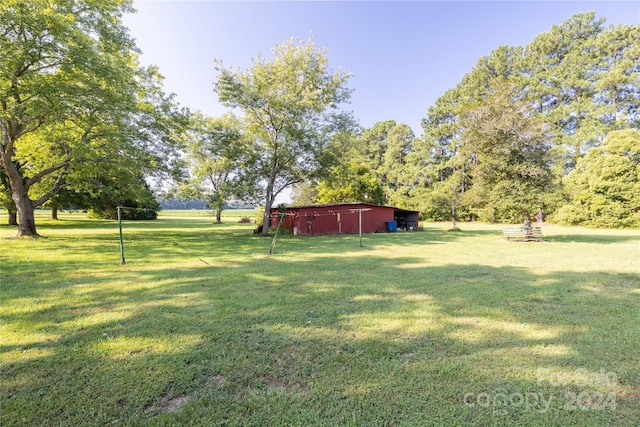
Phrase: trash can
[391,226]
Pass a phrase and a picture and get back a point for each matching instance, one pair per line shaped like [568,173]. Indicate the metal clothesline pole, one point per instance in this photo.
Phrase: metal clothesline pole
[119,209]
[275,236]
[360,225]
[360,221]
[121,242]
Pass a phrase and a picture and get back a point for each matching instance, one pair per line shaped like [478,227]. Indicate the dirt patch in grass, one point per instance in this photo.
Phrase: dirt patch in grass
[217,380]
[279,385]
[169,404]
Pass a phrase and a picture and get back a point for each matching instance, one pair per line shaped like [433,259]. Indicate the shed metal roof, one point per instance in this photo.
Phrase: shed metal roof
[345,204]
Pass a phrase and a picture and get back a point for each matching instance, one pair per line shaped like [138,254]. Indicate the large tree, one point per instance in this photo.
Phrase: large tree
[72,97]
[384,148]
[436,163]
[584,78]
[579,81]
[508,152]
[290,103]
[351,182]
[217,150]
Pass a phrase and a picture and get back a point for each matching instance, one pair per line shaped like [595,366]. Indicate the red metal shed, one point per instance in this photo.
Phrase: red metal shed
[344,218]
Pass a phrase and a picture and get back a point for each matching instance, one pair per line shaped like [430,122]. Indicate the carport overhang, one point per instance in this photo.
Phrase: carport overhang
[405,219]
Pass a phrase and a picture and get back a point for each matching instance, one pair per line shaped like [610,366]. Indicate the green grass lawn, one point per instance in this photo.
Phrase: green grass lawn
[202,326]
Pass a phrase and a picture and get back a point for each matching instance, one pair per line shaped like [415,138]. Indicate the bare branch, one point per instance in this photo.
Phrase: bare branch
[56,188]
[37,177]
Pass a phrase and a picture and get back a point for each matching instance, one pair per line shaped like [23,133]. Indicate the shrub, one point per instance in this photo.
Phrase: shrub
[134,212]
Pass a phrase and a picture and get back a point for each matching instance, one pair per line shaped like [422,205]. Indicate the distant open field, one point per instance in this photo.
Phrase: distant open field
[177,213]
[228,213]
[202,326]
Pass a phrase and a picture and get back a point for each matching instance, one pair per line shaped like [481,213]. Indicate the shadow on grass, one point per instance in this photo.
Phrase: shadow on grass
[335,338]
[599,239]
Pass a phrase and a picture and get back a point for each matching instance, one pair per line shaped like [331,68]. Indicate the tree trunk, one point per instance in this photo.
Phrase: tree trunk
[19,189]
[266,219]
[615,105]
[453,214]
[218,214]
[54,212]
[25,207]
[26,217]
[13,217]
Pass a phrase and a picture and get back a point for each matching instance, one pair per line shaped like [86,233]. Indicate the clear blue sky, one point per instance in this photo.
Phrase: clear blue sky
[404,54]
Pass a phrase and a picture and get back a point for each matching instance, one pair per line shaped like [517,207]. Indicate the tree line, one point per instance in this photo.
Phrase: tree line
[548,127]
[551,126]
[524,127]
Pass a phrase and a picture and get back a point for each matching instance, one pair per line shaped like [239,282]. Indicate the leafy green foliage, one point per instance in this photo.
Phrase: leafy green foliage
[73,99]
[218,151]
[509,151]
[290,104]
[134,196]
[351,182]
[606,184]
[576,83]
[384,149]
[305,193]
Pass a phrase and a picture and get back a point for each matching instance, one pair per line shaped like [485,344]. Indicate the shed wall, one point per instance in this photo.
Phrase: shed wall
[335,219]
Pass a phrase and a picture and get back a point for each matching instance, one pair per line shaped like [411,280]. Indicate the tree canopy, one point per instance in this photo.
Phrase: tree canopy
[351,182]
[547,126]
[570,87]
[218,152]
[73,99]
[291,107]
[605,184]
[499,146]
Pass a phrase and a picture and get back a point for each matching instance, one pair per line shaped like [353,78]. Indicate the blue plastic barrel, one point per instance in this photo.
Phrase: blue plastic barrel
[391,226]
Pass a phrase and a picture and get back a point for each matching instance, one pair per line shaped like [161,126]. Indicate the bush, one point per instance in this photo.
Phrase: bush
[597,212]
[132,212]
